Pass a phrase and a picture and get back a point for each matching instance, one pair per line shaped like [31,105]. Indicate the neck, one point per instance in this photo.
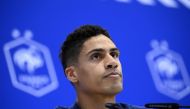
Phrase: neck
[89,101]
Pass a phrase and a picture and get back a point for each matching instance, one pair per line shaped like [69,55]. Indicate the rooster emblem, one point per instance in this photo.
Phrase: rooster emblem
[28,59]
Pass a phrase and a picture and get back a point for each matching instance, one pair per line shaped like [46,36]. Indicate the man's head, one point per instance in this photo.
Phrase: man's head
[91,61]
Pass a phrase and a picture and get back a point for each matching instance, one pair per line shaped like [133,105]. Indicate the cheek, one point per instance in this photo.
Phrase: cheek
[91,74]
[84,74]
[120,67]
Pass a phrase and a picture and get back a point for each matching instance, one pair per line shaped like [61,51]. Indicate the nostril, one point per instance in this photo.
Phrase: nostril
[109,66]
[116,66]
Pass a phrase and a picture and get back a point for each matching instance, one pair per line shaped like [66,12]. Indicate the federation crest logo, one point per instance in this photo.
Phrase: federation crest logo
[30,65]
[168,71]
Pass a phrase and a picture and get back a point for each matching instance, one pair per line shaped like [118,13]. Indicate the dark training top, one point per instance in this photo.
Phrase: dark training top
[109,106]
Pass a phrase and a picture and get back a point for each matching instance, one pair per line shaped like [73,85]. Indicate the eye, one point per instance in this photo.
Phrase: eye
[114,54]
[96,56]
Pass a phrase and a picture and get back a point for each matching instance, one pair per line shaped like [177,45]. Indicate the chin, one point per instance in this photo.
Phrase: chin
[115,88]
[118,89]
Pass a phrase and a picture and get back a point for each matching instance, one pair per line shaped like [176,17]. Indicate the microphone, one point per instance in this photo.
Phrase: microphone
[112,106]
[165,106]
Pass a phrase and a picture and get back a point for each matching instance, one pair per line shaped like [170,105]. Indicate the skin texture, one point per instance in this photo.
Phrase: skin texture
[97,76]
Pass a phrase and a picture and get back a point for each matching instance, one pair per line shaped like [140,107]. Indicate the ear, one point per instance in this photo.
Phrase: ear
[71,74]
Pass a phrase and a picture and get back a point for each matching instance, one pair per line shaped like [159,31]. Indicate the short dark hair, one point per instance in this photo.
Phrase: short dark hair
[72,46]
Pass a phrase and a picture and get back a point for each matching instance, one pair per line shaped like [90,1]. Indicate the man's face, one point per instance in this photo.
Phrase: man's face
[99,69]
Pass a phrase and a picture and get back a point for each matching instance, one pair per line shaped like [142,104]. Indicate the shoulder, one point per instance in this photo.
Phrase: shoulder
[75,106]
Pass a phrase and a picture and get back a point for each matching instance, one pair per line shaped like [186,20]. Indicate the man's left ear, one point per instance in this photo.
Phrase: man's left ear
[71,74]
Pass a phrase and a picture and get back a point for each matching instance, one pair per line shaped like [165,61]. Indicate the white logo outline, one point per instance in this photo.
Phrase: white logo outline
[49,63]
[157,80]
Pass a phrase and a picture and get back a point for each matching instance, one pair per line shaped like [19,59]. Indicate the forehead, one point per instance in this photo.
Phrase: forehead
[99,41]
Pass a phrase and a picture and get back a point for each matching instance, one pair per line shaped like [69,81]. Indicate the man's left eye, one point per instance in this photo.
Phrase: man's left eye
[114,54]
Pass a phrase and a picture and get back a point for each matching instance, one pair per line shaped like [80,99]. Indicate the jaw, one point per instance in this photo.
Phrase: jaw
[112,88]
[105,87]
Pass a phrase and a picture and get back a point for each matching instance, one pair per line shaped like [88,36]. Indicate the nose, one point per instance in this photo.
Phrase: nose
[111,63]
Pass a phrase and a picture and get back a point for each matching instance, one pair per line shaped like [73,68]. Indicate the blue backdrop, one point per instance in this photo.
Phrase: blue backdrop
[32,31]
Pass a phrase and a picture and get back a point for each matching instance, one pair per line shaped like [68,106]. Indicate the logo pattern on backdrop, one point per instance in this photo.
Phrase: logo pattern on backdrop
[30,65]
[168,71]
[166,3]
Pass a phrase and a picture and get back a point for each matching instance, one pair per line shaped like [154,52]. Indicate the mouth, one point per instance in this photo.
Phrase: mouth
[113,75]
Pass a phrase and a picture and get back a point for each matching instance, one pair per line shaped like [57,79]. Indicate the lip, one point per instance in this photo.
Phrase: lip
[113,75]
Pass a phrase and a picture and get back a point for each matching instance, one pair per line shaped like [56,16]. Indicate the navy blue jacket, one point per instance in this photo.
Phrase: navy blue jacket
[115,106]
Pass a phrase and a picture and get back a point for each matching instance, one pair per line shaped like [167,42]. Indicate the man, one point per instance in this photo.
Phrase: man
[91,63]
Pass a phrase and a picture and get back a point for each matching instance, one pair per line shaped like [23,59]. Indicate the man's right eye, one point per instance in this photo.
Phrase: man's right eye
[96,56]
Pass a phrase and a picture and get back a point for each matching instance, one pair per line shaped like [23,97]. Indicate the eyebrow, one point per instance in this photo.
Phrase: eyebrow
[114,49]
[102,50]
